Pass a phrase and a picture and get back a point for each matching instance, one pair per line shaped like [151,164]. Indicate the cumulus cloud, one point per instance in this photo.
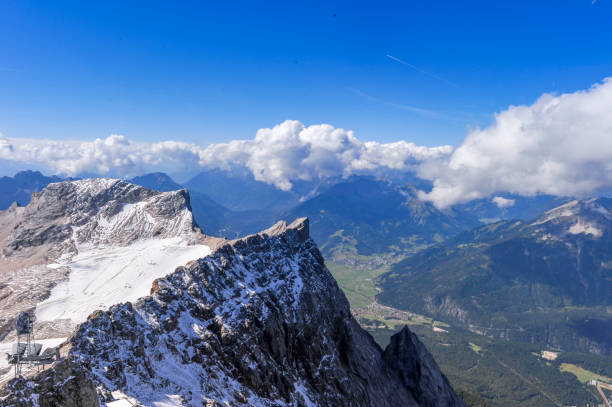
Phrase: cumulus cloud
[502,202]
[559,145]
[113,155]
[291,151]
[287,152]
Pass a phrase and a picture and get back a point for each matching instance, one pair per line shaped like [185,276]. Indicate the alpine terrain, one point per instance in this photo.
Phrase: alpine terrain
[547,281]
[252,321]
[74,248]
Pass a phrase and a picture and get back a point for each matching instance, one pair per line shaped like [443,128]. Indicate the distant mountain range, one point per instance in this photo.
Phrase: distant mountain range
[157,181]
[238,190]
[366,215]
[510,206]
[546,281]
[373,216]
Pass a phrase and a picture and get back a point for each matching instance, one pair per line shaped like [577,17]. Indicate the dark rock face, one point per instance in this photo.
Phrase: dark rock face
[418,370]
[260,322]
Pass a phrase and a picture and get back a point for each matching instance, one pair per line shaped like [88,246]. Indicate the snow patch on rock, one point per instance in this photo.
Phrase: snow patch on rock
[586,228]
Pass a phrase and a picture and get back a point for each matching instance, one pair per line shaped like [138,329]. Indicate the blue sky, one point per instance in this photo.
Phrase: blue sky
[208,72]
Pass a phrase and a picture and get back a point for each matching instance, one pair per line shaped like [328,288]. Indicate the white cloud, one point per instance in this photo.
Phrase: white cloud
[560,145]
[287,152]
[112,155]
[502,202]
[291,151]
[5,146]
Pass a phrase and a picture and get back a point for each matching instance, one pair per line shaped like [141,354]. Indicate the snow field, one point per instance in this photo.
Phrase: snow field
[103,276]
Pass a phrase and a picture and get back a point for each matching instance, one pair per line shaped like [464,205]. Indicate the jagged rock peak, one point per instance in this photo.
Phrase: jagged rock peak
[258,322]
[299,229]
[418,370]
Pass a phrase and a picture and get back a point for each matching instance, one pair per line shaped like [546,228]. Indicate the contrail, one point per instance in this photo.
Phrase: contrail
[413,109]
[416,68]
[448,115]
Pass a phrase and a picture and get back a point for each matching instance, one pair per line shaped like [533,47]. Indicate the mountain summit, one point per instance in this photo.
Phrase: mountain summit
[256,321]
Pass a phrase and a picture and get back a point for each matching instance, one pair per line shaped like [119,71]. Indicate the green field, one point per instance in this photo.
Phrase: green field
[585,376]
[359,285]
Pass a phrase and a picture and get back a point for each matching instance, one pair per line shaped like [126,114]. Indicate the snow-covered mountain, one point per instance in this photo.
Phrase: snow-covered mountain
[256,321]
[84,245]
[589,218]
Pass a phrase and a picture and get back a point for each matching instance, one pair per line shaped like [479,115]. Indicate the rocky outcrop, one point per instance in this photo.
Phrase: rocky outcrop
[418,370]
[259,322]
[99,211]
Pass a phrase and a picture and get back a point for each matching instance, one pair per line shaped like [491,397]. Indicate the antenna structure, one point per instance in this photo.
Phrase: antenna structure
[26,351]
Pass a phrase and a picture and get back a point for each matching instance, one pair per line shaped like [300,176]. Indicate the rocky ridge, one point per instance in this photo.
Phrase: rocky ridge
[258,322]
[98,212]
